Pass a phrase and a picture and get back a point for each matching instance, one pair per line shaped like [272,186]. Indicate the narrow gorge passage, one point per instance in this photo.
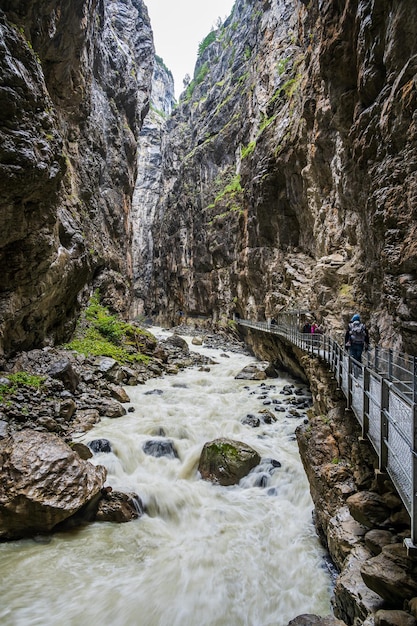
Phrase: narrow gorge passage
[201,554]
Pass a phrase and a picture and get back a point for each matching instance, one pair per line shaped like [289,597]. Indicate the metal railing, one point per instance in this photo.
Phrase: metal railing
[381,392]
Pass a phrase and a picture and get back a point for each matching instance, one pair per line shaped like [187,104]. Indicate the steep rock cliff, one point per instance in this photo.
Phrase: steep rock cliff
[148,187]
[75,83]
[290,169]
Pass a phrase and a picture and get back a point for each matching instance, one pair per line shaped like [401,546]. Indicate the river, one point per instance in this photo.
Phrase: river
[202,554]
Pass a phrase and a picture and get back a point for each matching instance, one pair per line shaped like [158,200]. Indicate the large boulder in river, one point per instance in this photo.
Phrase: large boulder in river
[253,371]
[225,461]
[42,482]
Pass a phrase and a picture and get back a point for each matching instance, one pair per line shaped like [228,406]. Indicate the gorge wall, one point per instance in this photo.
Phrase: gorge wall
[75,84]
[289,170]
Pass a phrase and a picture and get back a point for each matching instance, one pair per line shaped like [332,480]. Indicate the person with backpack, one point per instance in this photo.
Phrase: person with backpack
[356,337]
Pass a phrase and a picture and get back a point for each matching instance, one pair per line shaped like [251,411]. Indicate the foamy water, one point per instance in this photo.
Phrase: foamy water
[202,554]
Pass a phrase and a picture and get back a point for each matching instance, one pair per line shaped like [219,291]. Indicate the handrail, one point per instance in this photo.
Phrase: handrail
[381,392]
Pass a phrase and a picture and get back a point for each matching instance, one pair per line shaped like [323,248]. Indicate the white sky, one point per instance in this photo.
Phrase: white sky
[179,26]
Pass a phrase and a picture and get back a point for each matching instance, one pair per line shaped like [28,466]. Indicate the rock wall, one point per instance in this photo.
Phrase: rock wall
[148,187]
[74,88]
[289,169]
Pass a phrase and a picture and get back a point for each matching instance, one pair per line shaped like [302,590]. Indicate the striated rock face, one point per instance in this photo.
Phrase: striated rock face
[289,169]
[74,88]
[148,186]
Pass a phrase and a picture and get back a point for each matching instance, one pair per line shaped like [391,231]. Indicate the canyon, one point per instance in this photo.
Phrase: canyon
[284,178]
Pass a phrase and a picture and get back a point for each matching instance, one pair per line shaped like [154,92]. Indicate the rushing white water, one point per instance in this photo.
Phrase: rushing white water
[202,554]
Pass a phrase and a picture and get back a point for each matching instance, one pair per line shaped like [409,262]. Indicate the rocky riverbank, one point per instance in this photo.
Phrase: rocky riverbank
[358,514]
[49,397]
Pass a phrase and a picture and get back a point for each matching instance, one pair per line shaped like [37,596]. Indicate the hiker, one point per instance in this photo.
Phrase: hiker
[306,328]
[356,337]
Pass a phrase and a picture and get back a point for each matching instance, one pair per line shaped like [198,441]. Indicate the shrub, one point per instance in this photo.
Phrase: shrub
[101,334]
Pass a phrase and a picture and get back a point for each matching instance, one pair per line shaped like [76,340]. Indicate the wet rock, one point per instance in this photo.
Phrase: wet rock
[226,461]
[119,507]
[118,393]
[100,445]
[67,409]
[178,342]
[81,449]
[309,619]
[4,429]
[392,575]
[251,372]
[85,419]
[49,424]
[376,539]
[63,371]
[267,416]
[42,482]
[110,408]
[368,508]
[251,420]
[158,448]
[112,370]
[197,341]
[394,618]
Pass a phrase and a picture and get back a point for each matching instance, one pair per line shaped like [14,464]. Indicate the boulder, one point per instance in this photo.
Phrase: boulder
[176,341]
[42,482]
[110,408]
[251,372]
[160,447]
[119,507]
[392,574]
[376,539]
[368,508]
[62,370]
[67,409]
[118,393]
[225,461]
[81,449]
[100,445]
[315,620]
[111,370]
[394,618]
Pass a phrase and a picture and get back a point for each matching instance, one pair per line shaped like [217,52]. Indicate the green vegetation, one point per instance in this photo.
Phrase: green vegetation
[101,334]
[212,36]
[247,150]
[281,66]
[228,198]
[202,73]
[160,62]
[232,188]
[20,379]
[158,111]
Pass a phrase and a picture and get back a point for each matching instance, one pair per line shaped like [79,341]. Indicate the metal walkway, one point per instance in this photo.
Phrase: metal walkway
[381,392]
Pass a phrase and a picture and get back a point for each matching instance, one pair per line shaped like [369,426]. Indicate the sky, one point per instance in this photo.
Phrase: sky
[179,26]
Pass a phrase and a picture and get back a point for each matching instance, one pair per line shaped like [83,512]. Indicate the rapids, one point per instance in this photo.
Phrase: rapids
[201,555]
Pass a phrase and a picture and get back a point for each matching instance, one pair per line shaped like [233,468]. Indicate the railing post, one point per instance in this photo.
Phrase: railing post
[366,386]
[390,364]
[414,379]
[383,428]
[350,383]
